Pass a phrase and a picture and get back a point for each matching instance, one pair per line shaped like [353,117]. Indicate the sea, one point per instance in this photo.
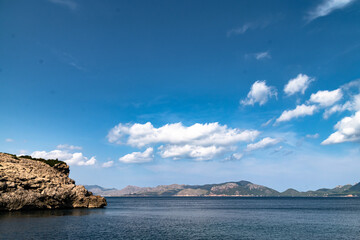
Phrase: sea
[192,218]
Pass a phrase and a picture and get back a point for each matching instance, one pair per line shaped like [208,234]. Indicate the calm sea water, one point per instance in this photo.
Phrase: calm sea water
[193,218]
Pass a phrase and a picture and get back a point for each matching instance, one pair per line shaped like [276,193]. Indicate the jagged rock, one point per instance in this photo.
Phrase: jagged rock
[30,184]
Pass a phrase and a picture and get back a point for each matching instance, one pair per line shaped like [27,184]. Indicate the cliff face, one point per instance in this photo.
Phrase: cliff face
[31,184]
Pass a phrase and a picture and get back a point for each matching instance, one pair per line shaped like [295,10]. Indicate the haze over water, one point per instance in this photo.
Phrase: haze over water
[193,218]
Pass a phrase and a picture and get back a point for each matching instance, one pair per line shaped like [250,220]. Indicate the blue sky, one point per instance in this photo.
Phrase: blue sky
[160,92]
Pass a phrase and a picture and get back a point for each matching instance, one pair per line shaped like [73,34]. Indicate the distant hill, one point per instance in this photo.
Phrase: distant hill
[355,188]
[241,188]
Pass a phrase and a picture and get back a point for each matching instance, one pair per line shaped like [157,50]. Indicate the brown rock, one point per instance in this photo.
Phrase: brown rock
[30,184]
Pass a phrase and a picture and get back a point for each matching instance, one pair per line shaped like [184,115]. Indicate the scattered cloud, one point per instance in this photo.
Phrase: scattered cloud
[239,30]
[246,27]
[327,7]
[68,147]
[71,4]
[264,143]
[278,149]
[326,98]
[138,157]
[348,130]
[351,105]
[9,140]
[298,84]
[262,55]
[299,111]
[237,156]
[265,124]
[234,157]
[259,93]
[313,136]
[70,158]
[107,164]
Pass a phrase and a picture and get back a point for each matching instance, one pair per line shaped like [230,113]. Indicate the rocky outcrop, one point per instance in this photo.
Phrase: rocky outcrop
[32,184]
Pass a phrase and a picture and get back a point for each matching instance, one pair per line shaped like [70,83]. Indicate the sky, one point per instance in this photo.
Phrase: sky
[191,92]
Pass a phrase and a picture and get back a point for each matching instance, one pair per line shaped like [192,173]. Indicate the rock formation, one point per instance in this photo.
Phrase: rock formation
[27,183]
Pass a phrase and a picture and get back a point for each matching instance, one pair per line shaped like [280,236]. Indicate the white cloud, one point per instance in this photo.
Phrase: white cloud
[298,84]
[313,136]
[299,111]
[352,105]
[246,27]
[265,124]
[237,156]
[326,98]
[69,158]
[72,5]
[336,108]
[328,6]
[259,93]
[239,30]
[9,140]
[107,164]
[197,142]
[348,130]
[22,152]
[198,153]
[68,147]
[264,143]
[138,157]
[207,134]
[234,156]
[262,55]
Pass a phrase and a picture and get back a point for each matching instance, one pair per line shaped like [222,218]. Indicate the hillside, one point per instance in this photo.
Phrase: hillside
[241,189]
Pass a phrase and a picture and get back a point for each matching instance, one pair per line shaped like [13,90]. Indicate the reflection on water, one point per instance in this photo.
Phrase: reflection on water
[192,218]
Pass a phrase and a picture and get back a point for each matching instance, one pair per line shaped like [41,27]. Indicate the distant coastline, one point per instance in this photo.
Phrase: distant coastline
[227,189]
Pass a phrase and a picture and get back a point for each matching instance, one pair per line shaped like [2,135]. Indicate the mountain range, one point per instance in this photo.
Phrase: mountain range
[241,189]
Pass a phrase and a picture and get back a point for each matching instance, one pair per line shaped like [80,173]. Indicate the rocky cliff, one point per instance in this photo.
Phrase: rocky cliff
[27,183]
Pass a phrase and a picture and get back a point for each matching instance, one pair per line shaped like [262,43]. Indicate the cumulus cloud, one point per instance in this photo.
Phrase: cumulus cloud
[197,142]
[259,93]
[68,147]
[327,7]
[264,143]
[198,153]
[70,158]
[139,135]
[348,130]
[299,111]
[72,5]
[138,157]
[107,164]
[298,84]
[326,98]
[262,55]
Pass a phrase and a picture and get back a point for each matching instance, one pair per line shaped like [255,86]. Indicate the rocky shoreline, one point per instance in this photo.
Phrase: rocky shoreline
[27,184]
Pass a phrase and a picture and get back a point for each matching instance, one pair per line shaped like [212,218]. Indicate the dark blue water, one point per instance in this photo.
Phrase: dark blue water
[193,218]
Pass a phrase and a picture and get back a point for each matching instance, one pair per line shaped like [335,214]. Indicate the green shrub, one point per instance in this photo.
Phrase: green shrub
[51,162]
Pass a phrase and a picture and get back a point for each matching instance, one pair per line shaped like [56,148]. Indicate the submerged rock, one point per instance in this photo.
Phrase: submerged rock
[32,184]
